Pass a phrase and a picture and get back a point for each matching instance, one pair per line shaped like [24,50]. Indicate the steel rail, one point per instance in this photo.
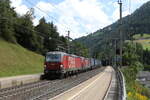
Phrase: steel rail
[7,90]
[43,89]
[29,88]
[80,80]
[49,90]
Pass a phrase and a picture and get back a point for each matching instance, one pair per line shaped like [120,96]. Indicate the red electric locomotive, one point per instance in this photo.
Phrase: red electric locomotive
[60,63]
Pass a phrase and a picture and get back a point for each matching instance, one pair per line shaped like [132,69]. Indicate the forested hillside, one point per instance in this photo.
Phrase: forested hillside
[20,30]
[136,23]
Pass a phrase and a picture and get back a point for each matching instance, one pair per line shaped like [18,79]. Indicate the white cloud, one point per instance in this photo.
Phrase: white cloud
[80,16]
[46,7]
[115,14]
[42,9]
[19,7]
[22,9]
[139,1]
[35,21]
[16,3]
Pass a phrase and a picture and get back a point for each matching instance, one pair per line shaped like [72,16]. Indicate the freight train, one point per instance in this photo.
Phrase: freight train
[63,64]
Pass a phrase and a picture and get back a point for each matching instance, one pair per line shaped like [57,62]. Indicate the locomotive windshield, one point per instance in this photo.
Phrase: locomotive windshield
[53,58]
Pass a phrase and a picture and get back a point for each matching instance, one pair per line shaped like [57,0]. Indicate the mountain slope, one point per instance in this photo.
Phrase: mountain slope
[16,60]
[138,22]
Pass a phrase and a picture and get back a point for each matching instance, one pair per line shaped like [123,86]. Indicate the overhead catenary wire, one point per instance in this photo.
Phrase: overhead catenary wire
[130,7]
[50,38]
[61,43]
[42,11]
[54,6]
[29,2]
[51,17]
[4,18]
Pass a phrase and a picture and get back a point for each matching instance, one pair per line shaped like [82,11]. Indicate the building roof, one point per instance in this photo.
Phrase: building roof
[143,74]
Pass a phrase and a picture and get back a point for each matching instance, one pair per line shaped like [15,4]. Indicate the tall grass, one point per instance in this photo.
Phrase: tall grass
[16,60]
[138,36]
[145,43]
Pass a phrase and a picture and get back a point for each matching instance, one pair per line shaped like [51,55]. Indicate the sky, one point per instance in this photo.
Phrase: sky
[80,17]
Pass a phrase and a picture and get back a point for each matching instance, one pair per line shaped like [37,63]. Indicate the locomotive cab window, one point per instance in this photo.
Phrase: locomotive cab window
[53,58]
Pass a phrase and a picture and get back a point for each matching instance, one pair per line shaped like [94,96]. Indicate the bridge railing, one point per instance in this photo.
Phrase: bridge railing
[121,85]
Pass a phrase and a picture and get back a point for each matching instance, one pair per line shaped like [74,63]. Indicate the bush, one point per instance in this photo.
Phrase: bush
[136,96]
[147,67]
[134,89]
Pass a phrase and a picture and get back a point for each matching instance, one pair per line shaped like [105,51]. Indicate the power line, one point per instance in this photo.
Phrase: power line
[62,12]
[40,10]
[29,2]
[129,6]
[5,18]
[50,38]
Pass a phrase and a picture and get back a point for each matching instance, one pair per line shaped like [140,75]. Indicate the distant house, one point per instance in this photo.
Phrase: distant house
[144,78]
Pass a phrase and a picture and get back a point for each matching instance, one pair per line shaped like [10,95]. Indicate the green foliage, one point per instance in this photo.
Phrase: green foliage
[132,57]
[48,32]
[145,43]
[132,53]
[25,34]
[79,49]
[138,92]
[146,57]
[147,67]
[6,26]
[132,86]
[131,72]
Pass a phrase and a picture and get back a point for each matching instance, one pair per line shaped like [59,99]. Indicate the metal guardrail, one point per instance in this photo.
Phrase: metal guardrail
[108,89]
[121,85]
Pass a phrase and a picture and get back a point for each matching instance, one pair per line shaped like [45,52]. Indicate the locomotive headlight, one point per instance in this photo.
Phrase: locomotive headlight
[44,66]
[61,66]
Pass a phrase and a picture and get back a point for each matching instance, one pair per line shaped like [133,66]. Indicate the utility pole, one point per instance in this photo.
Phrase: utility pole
[114,41]
[121,41]
[115,49]
[68,42]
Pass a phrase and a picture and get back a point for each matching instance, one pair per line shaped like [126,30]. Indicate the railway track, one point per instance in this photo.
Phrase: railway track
[45,89]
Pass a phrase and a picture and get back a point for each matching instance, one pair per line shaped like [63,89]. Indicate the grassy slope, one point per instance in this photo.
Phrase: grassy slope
[16,60]
[138,36]
[145,40]
[145,43]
